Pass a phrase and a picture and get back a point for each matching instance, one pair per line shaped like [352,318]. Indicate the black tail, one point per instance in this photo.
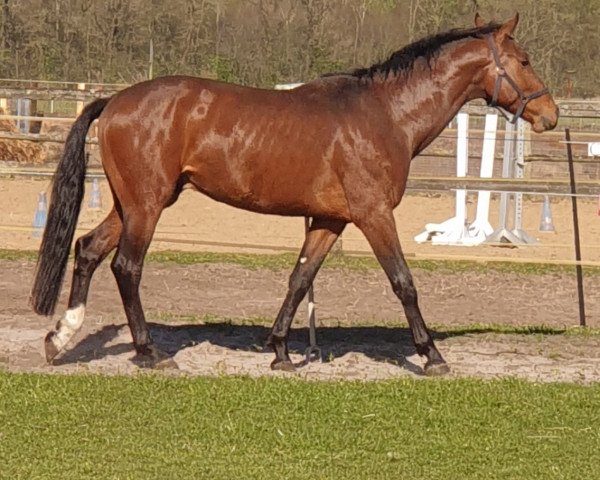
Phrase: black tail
[65,204]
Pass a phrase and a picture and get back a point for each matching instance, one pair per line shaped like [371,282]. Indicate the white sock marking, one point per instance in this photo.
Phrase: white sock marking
[68,326]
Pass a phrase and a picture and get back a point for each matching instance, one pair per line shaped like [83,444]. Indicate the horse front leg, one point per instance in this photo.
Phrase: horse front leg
[380,230]
[319,240]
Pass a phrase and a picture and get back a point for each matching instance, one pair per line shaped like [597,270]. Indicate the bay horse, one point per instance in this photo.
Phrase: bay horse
[337,149]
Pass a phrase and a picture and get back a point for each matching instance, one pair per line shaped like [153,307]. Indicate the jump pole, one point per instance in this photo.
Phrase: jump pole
[453,230]
[480,229]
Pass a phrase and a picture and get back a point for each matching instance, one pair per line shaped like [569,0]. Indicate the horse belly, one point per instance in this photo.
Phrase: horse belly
[267,191]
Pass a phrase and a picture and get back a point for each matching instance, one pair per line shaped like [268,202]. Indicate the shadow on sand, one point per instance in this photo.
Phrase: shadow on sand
[384,344]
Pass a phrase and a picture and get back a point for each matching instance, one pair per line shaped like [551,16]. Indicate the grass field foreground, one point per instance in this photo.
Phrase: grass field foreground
[152,426]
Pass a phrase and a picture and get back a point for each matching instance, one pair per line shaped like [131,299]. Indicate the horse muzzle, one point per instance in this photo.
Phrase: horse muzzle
[544,122]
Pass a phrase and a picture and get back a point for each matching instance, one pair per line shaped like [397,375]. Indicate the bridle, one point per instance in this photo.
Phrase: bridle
[502,75]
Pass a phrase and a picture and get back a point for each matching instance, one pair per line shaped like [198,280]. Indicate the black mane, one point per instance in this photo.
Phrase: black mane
[402,61]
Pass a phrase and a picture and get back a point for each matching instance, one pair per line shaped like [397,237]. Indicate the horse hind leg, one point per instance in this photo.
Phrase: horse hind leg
[127,265]
[90,250]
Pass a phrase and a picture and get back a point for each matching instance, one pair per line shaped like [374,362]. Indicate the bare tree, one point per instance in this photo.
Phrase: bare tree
[262,42]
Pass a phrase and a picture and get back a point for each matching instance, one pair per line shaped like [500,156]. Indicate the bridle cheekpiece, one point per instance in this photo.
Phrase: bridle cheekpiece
[502,75]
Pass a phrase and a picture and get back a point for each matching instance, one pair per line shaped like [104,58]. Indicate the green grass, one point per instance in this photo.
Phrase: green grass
[356,263]
[147,427]
[494,328]
[18,255]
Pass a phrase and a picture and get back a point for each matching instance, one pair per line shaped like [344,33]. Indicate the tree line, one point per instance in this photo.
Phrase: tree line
[264,42]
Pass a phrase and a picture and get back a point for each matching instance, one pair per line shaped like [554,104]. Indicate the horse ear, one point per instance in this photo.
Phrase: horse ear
[507,29]
[479,22]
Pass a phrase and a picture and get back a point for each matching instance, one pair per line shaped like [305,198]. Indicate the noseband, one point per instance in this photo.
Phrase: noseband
[502,75]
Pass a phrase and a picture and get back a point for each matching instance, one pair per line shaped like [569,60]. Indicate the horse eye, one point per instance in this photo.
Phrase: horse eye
[525,63]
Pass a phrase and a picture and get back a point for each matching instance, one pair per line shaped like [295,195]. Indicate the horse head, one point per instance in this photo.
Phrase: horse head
[510,82]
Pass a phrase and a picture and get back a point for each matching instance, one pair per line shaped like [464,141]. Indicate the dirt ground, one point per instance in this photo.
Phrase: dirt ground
[362,331]
[197,223]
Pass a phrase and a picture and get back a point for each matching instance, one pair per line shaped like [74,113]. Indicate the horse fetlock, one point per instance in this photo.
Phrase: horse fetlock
[147,349]
[282,358]
[425,349]
[275,341]
[74,317]
[65,329]
[151,351]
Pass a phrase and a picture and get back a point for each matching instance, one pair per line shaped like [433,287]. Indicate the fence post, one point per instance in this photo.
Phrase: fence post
[576,239]
[80,86]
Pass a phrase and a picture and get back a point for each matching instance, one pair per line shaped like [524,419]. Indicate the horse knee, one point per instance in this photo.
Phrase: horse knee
[125,270]
[406,292]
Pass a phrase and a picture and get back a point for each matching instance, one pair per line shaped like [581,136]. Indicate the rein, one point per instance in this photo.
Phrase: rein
[502,75]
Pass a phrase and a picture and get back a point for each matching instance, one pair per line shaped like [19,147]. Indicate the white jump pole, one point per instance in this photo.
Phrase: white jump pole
[481,228]
[452,231]
[462,163]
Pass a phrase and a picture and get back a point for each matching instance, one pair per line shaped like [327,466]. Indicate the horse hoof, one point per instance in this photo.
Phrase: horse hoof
[283,366]
[155,359]
[50,348]
[437,369]
[166,364]
[145,361]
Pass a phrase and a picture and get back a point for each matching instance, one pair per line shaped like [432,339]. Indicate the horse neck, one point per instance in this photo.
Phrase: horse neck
[423,103]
